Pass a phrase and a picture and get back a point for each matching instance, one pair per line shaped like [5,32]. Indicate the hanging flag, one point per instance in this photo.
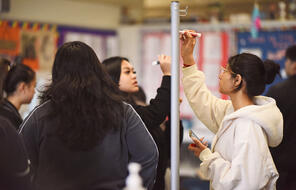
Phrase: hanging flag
[35,26]
[25,25]
[45,27]
[256,22]
[15,24]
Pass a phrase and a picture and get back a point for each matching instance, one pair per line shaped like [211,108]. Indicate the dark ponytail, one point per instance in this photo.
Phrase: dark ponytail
[17,73]
[271,69]
[254,72]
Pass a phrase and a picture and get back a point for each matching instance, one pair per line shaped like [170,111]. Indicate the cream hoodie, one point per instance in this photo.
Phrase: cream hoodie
[240,157]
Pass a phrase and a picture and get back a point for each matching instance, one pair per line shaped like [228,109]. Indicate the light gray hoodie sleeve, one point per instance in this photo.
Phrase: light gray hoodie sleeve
[142,148]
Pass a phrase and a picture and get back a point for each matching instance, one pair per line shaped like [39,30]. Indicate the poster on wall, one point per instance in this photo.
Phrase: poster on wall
[103,42]
[9,39]
[211,52]
[38,48]
[269,45]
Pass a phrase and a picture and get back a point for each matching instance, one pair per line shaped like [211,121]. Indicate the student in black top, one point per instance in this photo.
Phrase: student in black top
[14,164]
[83,136]
[19,86]
[284,93]
[154,114]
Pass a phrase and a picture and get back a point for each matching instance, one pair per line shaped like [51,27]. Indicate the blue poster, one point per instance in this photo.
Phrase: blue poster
[269,45]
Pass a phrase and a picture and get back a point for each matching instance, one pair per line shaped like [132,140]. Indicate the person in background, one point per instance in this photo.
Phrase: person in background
[153,114]
[14,164]
[284,94]
[83,135]
[19,86]
[244,126]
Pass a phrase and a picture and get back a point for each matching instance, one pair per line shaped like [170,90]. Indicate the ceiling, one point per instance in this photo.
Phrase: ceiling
[141,10]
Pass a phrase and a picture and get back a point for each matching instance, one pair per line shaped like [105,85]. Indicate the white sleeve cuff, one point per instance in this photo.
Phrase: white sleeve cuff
[205,154]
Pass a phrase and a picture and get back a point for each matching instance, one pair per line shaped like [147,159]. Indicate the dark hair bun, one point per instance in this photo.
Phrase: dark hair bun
[271,69]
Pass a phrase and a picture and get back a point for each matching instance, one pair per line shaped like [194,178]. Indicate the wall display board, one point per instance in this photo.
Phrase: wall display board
[104,42]
[210,53]
[269,45]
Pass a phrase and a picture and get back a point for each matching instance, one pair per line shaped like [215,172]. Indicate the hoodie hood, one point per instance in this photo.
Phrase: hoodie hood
[266,114]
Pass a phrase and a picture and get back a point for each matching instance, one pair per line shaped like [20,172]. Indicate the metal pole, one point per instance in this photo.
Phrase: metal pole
[175,136]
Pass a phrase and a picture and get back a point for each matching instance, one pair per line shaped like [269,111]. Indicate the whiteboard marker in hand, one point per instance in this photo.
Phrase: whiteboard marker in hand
[194,34]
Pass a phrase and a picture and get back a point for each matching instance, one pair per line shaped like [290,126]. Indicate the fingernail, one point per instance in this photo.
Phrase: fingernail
[193,145]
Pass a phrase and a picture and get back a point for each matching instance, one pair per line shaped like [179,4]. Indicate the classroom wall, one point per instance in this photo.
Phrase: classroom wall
[65,12]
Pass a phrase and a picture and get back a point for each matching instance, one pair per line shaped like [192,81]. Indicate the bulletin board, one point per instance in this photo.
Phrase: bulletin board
[211,52]
[103,42]
[269,45]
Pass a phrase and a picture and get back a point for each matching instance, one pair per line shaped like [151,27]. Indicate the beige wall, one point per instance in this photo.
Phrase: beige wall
[66,12]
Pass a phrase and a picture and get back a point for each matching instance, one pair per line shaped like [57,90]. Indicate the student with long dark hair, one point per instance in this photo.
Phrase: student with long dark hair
[83,136]
[244,126]
[153,114]
[14,164]
[19,85]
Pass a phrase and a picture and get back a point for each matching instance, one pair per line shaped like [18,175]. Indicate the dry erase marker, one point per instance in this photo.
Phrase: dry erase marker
[194,34]
[155,63]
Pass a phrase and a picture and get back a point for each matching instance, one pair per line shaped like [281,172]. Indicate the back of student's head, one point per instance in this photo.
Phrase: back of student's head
[17,73]
[291,53]
[113,67]
[84,98]
[254,72]
[4,66]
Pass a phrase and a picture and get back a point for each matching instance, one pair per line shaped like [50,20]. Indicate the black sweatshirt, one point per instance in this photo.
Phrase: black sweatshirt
[9,111]
[14,165]
[153,115]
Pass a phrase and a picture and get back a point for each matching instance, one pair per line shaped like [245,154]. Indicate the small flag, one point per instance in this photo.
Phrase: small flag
[25,25]
[256,22]
[35,26]
[15,24]
[45,27]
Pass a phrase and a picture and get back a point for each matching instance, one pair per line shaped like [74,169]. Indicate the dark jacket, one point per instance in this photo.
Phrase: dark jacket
[14,165]
[284,155]
[153,115]
[104,167]
[8,111]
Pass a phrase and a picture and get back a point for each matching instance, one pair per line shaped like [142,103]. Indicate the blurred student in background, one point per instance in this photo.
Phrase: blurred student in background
[153,114]
[14,164]
[284,94]
[244,126]
[83,136]
[19,86]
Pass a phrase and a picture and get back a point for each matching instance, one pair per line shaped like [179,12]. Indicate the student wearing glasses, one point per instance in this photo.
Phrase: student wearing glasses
[244,126]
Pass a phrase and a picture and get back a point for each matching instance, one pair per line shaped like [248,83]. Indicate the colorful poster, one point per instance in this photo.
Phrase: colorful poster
[9,39]
[38,48]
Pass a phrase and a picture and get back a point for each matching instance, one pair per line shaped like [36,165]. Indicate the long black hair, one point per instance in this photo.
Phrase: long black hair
[84,98]
[113,67]
[255,72]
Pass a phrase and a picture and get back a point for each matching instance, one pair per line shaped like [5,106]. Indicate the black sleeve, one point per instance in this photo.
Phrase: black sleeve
[14,163]
[168,135]
[142,148]
[155,113]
